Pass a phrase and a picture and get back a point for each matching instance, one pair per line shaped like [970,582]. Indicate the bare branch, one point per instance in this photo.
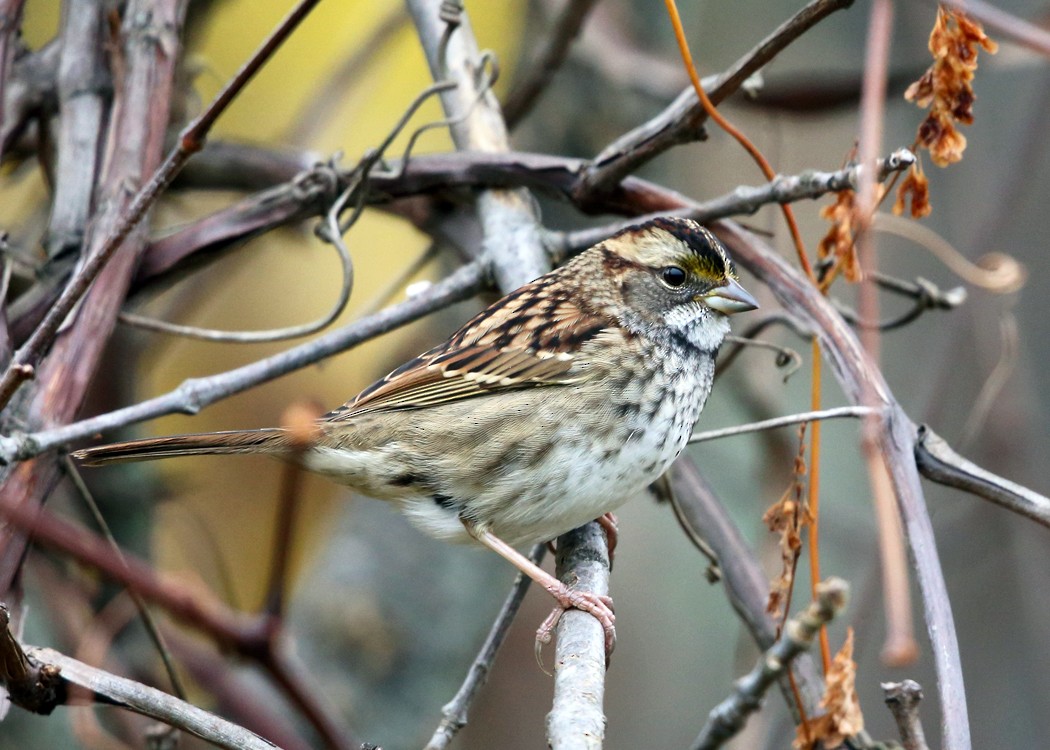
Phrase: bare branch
[728,717]
[576,718]
[939,463]
[855,373]
[193,395]
[790,419]
[148,701]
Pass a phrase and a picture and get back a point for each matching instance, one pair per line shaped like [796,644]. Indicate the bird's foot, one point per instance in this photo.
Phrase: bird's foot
[596,605]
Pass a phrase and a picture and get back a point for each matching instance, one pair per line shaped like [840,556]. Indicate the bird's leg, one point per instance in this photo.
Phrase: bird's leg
[601,607]
[611,524]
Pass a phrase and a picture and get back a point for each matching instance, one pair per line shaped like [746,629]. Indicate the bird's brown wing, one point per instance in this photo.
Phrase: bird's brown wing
[529,338]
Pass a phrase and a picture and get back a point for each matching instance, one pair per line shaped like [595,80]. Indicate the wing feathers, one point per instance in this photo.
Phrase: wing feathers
[529,339]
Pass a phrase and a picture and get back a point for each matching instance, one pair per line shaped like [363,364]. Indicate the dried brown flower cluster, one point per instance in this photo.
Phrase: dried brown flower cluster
[946,88]
[787,518]
[842,716]
[838,242]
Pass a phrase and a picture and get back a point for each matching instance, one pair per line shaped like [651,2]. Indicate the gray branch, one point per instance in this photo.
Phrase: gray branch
[576,720]
[860,380]
[939,463]
[903,700]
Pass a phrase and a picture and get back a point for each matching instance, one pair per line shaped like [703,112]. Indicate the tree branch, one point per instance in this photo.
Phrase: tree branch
[728,717]
[148,701]
[684,119]
[939,463]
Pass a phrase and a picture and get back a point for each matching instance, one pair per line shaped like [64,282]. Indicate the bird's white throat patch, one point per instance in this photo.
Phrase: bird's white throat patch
[703,327]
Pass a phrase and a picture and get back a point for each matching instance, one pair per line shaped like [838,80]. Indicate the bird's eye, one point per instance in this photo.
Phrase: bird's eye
[673,276]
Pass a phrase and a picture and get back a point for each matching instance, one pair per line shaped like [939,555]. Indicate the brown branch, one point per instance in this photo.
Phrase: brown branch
[138,124]
[308,193]
[684,119]
[258,638]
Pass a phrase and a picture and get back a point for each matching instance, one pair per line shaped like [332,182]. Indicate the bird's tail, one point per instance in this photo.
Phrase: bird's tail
[270,440]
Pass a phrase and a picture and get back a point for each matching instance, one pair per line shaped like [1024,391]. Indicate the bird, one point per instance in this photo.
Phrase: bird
[546,410]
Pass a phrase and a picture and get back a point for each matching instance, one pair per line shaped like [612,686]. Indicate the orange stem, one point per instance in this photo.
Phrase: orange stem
[814,500]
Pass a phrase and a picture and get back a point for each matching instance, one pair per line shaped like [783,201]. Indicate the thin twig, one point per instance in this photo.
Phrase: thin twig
[148,621]
[790,419]
[728,717]
[332,234]
[455,711]
[190,141]
[151,702]
[903,700]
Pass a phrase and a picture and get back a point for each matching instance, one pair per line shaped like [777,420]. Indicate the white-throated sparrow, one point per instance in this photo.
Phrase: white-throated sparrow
[547,410]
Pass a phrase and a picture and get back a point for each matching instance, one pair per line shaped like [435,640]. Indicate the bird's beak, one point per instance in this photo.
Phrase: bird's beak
[730,298]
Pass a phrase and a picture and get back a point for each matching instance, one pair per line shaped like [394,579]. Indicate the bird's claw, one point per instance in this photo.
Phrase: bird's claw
[597,605]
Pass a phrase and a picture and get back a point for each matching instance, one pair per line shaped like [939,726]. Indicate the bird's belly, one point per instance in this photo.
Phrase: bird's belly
[580,477]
